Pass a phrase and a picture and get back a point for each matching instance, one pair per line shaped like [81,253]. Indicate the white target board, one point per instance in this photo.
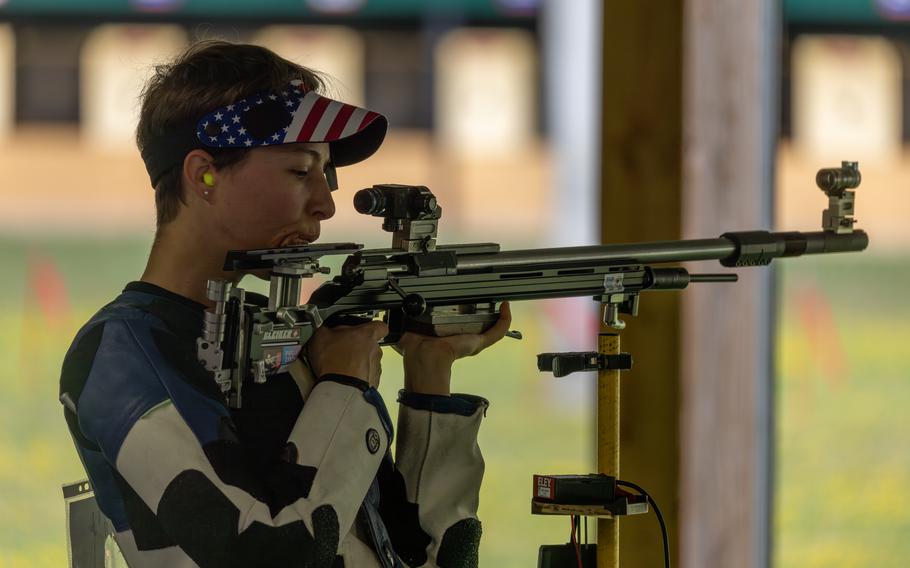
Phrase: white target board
[115,63]
[485,96]
[7,80]
[847,97]
[336,51]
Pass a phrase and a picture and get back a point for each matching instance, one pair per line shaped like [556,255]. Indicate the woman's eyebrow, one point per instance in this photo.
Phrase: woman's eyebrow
[316,155]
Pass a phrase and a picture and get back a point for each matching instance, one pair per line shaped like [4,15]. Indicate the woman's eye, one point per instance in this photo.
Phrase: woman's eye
[300,173]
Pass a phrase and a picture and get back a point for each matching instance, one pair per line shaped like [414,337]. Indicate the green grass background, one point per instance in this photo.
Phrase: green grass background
[843,429]
[843,465]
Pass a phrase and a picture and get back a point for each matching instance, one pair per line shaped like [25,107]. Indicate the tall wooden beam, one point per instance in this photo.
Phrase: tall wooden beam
[730,120]
[696,408]
[641,177]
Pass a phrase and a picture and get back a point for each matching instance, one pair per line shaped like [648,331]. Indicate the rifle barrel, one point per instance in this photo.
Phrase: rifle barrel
[636,253]
[732,249]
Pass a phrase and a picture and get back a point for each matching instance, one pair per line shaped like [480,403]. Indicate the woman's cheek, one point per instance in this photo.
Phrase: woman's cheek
[282,211]
[263,209]
[256,204]
[243,222]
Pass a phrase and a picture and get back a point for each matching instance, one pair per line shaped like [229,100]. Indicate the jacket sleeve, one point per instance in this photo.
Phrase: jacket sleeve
[179,463]
[434,484]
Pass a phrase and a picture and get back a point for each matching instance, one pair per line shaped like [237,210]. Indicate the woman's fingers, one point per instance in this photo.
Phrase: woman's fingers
[348,350]
[499,329]
[472,344]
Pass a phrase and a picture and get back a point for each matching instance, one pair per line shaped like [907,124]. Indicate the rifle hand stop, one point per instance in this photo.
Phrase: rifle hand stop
[562,364]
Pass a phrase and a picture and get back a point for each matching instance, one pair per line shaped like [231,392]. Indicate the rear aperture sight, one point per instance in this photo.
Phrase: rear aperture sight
[410,212]
[397,202]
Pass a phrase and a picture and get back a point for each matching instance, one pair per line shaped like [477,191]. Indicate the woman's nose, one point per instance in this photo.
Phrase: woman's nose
[322,205]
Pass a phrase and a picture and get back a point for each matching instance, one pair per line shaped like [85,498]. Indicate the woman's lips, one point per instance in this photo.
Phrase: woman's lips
[294,240]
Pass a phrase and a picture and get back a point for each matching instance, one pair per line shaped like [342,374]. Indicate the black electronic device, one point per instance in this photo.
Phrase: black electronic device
[590,489]
[567,555]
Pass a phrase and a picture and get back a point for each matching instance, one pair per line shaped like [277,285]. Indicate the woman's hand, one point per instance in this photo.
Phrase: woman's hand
[348,350]
[428,360]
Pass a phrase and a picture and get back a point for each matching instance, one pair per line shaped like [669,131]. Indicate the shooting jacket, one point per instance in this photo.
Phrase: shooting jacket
[302,475]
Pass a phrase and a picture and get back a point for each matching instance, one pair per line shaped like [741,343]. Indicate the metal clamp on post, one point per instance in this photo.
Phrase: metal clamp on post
[562,364]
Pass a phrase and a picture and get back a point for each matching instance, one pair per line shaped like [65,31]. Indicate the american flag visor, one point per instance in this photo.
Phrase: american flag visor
[288,116]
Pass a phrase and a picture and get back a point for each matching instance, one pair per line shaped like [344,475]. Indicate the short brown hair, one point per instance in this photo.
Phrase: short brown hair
[209,74]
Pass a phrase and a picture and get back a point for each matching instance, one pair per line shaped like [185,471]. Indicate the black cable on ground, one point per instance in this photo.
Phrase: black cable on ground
[660,517]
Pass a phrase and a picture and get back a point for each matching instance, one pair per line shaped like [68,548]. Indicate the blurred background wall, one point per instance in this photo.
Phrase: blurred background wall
[495,105]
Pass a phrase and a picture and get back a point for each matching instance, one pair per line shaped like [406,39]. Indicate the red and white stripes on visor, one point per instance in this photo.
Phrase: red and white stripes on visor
[319,119]
[290,116]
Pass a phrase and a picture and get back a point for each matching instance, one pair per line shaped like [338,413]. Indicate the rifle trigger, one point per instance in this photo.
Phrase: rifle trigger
[514,334]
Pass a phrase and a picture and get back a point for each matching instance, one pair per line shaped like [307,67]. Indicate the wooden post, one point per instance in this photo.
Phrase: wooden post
[608,390]
[705,437]
[641,201]
[730,121]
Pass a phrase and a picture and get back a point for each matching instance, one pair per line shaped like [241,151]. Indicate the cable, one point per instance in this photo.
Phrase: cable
[660,517]
[575,541]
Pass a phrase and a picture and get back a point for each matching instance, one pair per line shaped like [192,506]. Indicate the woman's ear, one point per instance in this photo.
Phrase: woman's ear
[199,174]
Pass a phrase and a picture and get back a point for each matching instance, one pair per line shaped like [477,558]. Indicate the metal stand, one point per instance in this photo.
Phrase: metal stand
[608,361]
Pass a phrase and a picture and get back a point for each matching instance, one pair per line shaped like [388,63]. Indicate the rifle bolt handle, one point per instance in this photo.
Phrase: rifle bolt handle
[413,305]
